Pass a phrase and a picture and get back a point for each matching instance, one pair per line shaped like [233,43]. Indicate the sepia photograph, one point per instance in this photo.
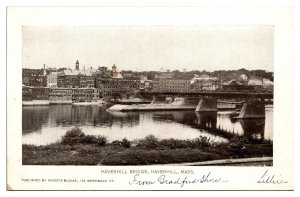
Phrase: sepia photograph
[150,98]
[200,95]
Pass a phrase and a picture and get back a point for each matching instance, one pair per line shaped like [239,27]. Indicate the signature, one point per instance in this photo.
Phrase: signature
[182,181]
[268,178]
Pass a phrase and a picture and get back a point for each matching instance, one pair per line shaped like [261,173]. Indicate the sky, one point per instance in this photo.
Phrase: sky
[145,48]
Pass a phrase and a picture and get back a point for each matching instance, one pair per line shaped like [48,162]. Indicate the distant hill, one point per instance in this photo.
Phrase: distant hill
[224,75]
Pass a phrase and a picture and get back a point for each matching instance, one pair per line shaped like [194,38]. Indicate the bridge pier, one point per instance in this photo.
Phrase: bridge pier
[206,104]
[253,128]
[207,120]
[252,109]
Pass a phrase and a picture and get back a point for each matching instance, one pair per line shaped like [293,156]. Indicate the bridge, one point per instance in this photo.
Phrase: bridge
[253,102]
[214,94]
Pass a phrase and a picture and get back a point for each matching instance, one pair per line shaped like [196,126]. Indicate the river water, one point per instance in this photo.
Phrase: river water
[47,124]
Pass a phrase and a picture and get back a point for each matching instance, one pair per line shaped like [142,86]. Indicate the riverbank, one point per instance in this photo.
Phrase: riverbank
[75,148]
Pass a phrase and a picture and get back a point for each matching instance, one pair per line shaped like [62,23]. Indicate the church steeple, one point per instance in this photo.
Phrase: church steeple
[77,65]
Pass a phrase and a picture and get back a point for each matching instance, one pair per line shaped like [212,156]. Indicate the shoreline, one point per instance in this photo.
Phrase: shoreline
[80,149]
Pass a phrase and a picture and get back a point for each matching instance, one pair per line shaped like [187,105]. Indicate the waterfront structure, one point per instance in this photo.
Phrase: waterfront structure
[171,85]
[26,93]
[96,94]
[82,94]
[60,95]
[34,77]
[52,80]
[34,93]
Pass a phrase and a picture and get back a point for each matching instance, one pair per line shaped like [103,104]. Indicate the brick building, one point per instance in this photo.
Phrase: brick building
[82,94]
[125,87]
[86,81]
[34,77]
[68,79]
[171,85]
[60,95]
[35,93]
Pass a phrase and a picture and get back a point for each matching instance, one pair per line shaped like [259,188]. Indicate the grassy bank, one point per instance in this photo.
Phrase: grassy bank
[76,148]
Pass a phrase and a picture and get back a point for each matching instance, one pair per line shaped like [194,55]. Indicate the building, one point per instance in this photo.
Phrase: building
[52,80]
[82,94]
[243,77]
[255,81]
[199,86]
[268,85]
[60,95]
[69,95]
[203,78]
[101,75]
[86,81]
[67,79]
[35,93]
[118,86]
[34,77]
[171,85]
[26,93]
[96,94]
[146,85]
[77,78]
[204,83]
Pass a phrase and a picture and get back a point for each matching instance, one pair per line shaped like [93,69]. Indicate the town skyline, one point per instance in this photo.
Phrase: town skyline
[84,67]
[150,49]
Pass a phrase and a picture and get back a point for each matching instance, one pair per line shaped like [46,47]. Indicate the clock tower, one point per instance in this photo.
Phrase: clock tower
[77,65]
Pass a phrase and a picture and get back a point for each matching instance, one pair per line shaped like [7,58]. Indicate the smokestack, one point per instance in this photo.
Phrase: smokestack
[44,71]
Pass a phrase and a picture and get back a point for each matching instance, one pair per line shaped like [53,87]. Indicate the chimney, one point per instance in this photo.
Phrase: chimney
[44,71]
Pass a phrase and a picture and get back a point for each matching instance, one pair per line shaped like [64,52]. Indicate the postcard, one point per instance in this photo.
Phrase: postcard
[150,98]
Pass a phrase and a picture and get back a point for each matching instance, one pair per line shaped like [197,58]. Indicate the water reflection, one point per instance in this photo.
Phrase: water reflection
[88,115]
[33,118]
[207,120]
[253,128]
[43,125]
